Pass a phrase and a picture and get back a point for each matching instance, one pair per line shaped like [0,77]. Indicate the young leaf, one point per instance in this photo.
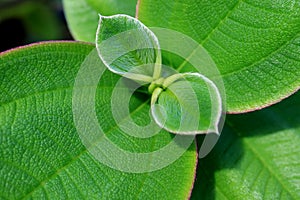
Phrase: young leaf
[128,48]
[41,154]
[82,15]
[257,156]
[258,59]
[190,104]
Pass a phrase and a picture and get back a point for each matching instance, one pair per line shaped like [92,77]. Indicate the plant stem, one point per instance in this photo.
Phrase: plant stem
[171,79]
[157,66]
[138,77]
[155,95]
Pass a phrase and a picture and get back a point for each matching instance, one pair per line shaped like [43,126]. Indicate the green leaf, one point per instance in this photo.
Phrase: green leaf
[255,44]
[111,7]
[82,15]
[257,156]
[128,48]
[189,105]
[41,153]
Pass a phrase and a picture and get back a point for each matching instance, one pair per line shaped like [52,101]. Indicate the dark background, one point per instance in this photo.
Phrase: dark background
[26,21]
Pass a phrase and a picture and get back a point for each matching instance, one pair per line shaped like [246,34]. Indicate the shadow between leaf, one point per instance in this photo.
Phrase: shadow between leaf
[229,151]
[226,154]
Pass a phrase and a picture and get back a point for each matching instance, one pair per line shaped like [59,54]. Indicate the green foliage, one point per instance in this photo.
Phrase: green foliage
[41,154]
[130,49]
[255,44]
[257,156]
[82,15]
[190,105]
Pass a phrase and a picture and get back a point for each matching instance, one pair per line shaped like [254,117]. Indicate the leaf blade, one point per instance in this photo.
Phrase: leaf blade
[190,105]
[82,15]
[259,158]
[257,59]
[128,47]
[39,142]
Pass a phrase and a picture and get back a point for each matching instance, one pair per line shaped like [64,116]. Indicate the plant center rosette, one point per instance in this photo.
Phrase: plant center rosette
[181,103]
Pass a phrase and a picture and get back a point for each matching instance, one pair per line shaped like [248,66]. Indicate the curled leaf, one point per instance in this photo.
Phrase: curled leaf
[128,48]
[188,104]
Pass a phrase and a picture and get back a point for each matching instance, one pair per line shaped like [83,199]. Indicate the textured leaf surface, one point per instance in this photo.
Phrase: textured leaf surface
[82,15]
[257,156]
[41,154]
[191,105]
[126,46]
[255,44]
